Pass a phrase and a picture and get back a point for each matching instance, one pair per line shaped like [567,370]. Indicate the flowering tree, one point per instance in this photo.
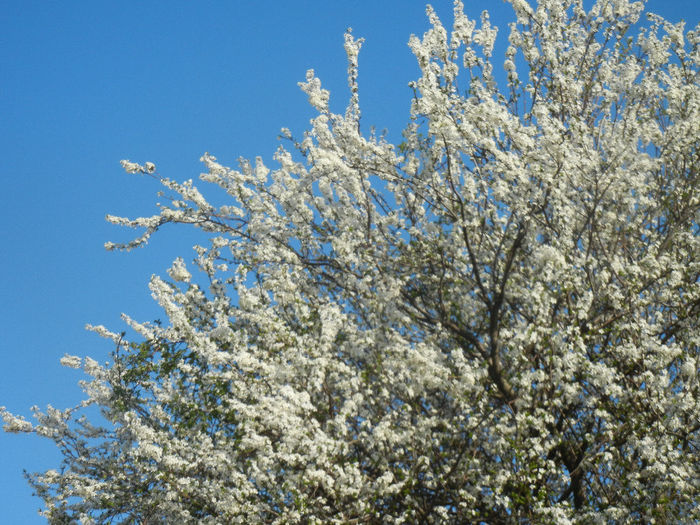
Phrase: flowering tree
[494,321]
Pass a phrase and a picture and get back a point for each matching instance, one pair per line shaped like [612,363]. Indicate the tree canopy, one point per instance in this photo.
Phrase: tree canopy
[495,320]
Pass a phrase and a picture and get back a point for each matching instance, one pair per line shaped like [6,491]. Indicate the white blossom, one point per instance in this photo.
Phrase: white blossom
[178,271]
[15,423]
[71,361]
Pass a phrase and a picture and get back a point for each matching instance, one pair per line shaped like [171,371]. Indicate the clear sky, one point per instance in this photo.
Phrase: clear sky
[84,84]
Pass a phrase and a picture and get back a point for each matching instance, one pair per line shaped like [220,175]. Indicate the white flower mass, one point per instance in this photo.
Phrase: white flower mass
[494,321]
[71,361]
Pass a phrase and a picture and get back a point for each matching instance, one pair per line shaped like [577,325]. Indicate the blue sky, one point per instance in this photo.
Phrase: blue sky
[85,84]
